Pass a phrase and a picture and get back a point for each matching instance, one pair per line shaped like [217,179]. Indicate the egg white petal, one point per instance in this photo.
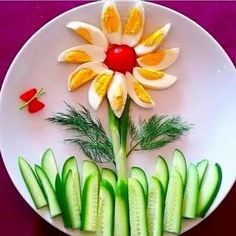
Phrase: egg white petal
[98,37]
[132,40]
[170,57]
[118,80]
[166,81]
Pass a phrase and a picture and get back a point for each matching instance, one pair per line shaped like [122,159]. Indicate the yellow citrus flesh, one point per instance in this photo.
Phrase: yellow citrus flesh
[153,59]
[77,57]
[134,22]
[118,98]
[102,83]
[142,93]
[84,33]
[110,20]
[154,38]
[81,77]
[151,74]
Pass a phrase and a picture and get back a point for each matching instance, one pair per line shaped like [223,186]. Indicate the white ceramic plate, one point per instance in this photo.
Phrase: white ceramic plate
[204,95]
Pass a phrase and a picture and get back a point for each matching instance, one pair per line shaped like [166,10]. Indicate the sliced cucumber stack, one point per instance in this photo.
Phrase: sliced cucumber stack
[110,176]
[201,168]
[174,203]
[32,183]
[155,207]
[137,208]
[53,204]
[191,193]
[139,174]
[209,189]
[105,224]
[162,172]
[49,166]
[121,227]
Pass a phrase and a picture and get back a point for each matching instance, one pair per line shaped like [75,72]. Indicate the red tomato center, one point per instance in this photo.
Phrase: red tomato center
[121,58]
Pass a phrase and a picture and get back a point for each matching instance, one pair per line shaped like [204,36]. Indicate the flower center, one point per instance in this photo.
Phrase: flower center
[121,58]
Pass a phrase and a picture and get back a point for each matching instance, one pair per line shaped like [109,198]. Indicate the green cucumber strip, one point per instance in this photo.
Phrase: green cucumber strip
[105,224]
[155,207]
[139,174]
[90,202]
[179,163]
[121,227]
[110,176]
[174,203]
[60,193]
[71,165]
[201,168]
[162,172]
[72,202]
[53,204]
[32,183]
[137,208]
[209,189]
[49,166]
[191,193]
[89,168]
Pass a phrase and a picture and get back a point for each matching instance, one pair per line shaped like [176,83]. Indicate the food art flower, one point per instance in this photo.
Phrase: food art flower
[117,61]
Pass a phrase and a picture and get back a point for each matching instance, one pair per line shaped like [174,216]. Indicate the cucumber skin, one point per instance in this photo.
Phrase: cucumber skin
[121,227]
[203,212]
[38,203]
[110,176]
[42,175]
[202,172]
[89,167]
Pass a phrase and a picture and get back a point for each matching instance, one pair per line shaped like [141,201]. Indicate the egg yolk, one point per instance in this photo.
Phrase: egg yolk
[151,74]
[84,33]
[142,93]
[101,84]
[134,22]
[110,20]
[77,57]
[154,38]
[118,98]
[121,58]
[81,77]
[153,59]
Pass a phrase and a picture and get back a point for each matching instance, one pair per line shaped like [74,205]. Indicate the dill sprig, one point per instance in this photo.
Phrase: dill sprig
[156,132]
[88,133]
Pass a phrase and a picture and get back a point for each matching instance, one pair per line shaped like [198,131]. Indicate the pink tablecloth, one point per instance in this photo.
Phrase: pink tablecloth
[19,20]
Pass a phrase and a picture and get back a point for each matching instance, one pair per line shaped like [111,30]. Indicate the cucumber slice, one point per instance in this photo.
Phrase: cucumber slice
[174,202]
[90,202]
[179,163]
[121,227]
[191,193]
[209,189]
[49,166]
[162,172]
[105,225]
[53,204]
[110,176]
[155,208]
[201,168]
[89,168]
[137,208]
[71,165]
[32,183]
[139,174]
[72,202]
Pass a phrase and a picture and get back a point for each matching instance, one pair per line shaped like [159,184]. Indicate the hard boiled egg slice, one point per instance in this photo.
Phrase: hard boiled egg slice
[84,73]
[153,41]
[111,22]
[89,33]
[159,60]
[153,79]
[138,93]
[82,54]
[117,94]
[133,29]
[98,88]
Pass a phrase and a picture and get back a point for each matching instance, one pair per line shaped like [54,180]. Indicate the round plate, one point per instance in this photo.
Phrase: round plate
[204,95]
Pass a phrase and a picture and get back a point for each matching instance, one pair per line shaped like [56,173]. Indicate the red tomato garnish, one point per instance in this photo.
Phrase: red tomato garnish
[28,95]
[35,105]
[121,58]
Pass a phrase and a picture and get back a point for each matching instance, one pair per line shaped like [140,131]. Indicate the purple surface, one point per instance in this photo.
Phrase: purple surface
[19,20]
